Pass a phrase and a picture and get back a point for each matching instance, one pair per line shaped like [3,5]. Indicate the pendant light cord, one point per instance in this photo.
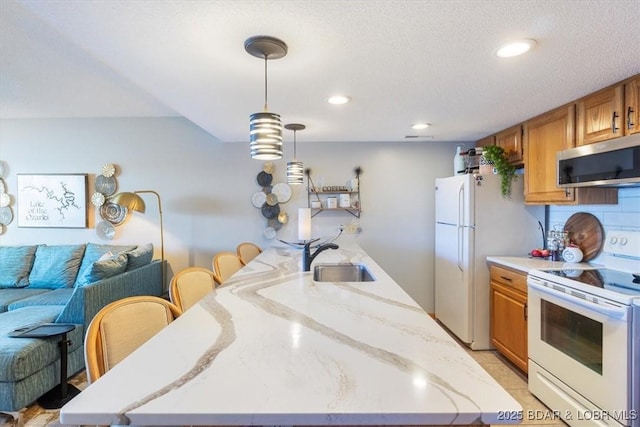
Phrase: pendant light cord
[266,108]
[294,145]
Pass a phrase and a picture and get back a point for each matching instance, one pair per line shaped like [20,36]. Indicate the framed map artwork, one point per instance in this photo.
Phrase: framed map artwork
[55,201]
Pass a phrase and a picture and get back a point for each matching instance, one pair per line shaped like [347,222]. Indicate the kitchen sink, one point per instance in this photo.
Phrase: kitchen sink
[342,272]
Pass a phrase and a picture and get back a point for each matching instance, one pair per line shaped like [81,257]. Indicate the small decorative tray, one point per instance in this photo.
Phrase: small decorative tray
[42,330]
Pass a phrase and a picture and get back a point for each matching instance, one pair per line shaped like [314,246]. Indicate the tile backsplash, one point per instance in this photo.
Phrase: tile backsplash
[623,216]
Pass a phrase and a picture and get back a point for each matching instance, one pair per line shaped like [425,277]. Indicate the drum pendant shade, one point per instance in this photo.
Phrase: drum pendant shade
[295,173]
[265,136]
[295,168]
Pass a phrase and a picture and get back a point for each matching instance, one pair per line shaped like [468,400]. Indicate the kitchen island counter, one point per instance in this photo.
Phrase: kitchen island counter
[274,347]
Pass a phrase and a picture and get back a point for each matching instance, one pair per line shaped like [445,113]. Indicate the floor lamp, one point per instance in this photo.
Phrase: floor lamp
[134,202]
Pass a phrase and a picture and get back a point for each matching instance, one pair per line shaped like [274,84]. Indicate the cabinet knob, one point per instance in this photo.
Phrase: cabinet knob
[629,118]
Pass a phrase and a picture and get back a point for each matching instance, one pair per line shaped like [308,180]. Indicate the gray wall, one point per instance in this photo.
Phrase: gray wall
[206,189]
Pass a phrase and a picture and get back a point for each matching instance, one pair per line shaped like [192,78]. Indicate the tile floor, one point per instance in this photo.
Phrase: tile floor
[37,416]
[515,382]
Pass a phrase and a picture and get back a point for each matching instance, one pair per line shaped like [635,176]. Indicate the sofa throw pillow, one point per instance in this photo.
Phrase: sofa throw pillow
[56,266]
[95,251]
[15,265]
[140,256]
[104,268]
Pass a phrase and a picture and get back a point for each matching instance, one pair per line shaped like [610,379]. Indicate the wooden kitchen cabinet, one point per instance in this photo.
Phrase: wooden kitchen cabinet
[509,314]
[600,116]
[511,141]
[544,136]
[487,140]
[632,106]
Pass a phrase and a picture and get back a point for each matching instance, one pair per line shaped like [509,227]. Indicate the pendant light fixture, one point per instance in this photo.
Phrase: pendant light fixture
[265,127]
[295,170]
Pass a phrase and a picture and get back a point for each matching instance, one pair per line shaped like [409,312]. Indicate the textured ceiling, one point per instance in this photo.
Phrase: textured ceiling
[400,61]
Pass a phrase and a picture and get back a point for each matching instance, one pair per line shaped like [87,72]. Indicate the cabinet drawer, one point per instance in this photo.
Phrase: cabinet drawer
[508,277]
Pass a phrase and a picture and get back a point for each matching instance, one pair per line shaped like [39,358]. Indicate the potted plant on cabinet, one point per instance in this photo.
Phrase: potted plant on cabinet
[495,155]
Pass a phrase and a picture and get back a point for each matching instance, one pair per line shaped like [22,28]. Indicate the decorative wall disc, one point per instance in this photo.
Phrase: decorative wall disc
[6,215]
[113,212]
[106,185]
[264,179]
[272,199]
[105,230]
[269,232]
[258,199]
[5,200]
[282,192]
[108,170]
[270,212]
[268,167]
[274,223]
[283,217]
[97,199]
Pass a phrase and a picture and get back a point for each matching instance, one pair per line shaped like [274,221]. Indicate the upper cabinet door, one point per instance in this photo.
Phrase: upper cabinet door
[600,116]
[511,141]
[632,106]
[487,140]
[545,135]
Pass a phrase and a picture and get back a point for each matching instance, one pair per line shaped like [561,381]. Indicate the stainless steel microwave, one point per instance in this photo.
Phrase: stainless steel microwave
[613,163]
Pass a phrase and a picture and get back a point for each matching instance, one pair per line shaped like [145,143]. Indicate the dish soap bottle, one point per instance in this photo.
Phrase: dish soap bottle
[458,162]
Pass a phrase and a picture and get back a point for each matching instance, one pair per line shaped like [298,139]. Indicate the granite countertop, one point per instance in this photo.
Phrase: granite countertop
[525,264]
[273,347]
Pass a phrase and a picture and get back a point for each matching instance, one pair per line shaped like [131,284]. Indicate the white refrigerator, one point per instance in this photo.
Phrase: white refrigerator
[474,221]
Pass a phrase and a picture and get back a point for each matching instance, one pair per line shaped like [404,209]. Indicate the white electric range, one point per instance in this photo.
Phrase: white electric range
[584,337]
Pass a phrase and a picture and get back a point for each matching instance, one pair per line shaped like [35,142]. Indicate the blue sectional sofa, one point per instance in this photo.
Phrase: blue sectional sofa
[60,284]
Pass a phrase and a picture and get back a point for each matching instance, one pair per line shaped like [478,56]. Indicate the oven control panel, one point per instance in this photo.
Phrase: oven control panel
[622,242]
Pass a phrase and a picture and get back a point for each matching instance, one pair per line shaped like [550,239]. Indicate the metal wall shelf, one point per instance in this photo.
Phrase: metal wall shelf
[323,195]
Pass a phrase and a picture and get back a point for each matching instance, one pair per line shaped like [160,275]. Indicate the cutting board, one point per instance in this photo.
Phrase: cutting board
[585,231]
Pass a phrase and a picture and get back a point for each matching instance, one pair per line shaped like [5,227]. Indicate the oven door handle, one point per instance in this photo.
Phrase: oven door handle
[617,313]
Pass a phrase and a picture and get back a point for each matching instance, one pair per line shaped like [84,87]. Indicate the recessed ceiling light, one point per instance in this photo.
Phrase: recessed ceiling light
[515,48]
[339,99]
[420,126]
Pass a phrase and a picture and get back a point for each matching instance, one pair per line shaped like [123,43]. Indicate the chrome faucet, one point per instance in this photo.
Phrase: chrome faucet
[307,257]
